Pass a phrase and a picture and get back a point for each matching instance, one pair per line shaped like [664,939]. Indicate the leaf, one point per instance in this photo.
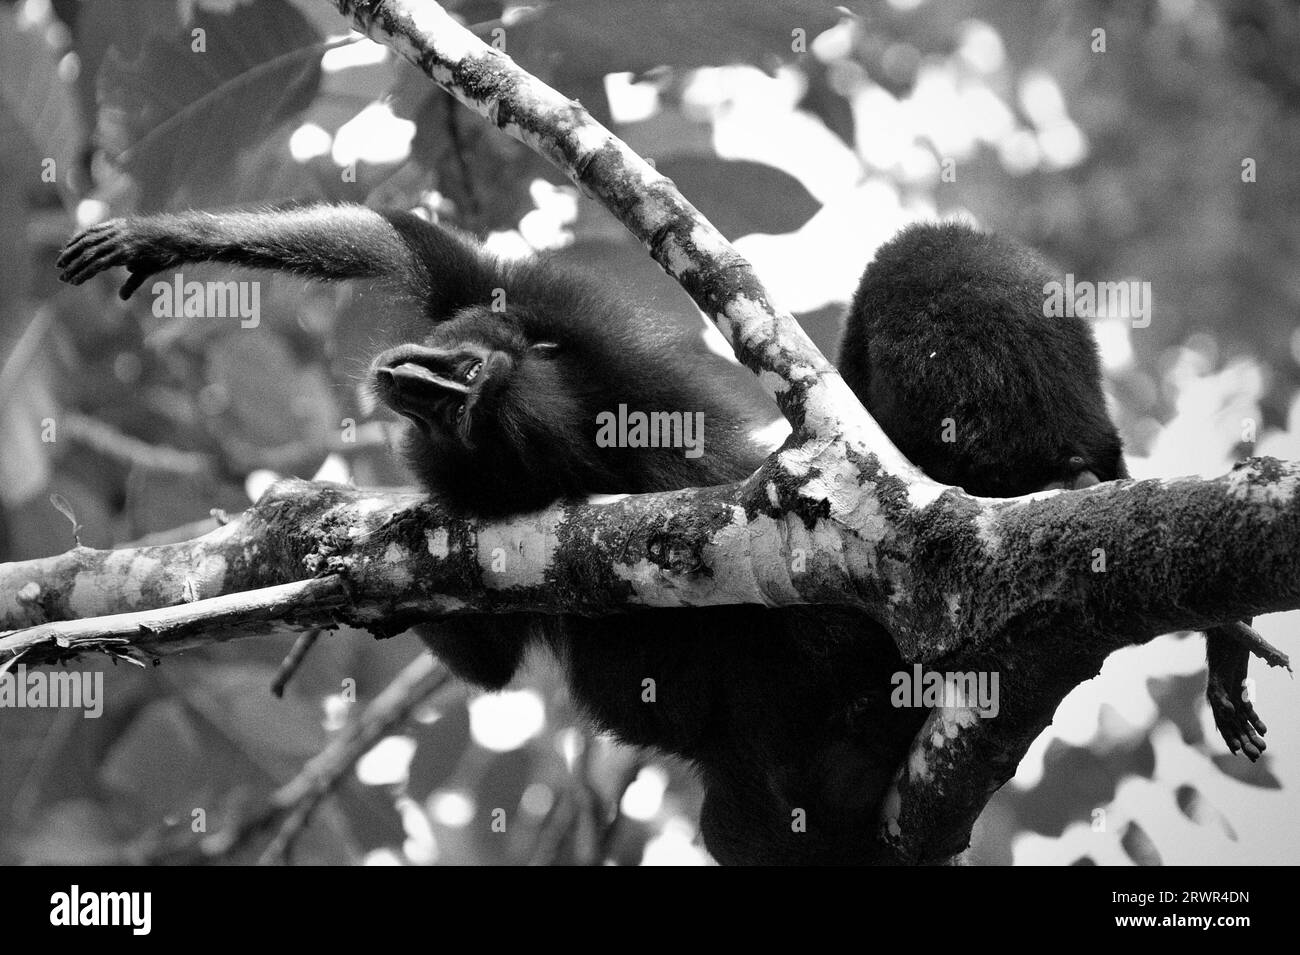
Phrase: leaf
[742,197]
[26,402]
[271,399]
[1138,845]
[62,505]
[627,272]
[277,735]
[484,174]
[161,761]
[34,101]
[175,117]
[71,832]
[595,37]
[1193,804]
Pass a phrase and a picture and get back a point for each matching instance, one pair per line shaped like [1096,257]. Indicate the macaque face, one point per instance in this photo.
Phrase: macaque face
[442,390]
[460,379]
[487,407]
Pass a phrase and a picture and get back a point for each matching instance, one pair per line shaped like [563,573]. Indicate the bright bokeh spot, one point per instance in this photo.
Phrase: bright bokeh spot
[336,709]
[420,845]
[334,468]
[546,227]
[309,141]
[506,720]
[1019,152]
[835,43]
[645,797]
[1063,144]
[569,742]
[981,47]
[374,135]
[363,52]
[754,117]
[1114,342]
[90,211]
[630,102]
[508,244]
[675,845]
[388,762]
[258,482]
[1209,407]
[451,808]
[1041,98]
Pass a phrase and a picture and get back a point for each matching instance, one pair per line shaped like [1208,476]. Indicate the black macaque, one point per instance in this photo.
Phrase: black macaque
[948,324]
[784,712]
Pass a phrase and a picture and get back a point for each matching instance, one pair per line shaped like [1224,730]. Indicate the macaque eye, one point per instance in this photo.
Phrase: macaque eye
[470,374]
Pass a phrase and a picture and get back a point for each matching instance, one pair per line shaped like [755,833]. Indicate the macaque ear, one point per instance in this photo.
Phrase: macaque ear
[544,349]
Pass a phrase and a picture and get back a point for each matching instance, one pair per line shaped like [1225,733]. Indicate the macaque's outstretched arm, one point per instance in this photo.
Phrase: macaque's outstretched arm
[437,265]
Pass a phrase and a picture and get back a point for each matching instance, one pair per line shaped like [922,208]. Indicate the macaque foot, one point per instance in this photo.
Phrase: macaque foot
[1234,713]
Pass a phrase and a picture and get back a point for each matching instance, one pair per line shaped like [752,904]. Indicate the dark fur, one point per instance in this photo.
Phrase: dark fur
[948,324]
[780,709]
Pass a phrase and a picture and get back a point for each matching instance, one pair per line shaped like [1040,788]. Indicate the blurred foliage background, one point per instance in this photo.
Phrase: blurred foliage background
[1114,136]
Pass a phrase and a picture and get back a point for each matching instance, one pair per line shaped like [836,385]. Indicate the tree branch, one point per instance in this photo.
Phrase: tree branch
[289,809]
[1038,590]
[949,578]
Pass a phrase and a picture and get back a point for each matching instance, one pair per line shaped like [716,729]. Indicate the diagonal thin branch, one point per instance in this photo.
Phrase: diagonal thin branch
[290,808]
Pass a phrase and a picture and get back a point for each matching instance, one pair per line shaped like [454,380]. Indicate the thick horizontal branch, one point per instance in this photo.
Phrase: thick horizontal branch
[948,579]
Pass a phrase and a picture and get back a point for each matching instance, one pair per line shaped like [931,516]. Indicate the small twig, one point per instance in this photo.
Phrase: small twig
[297,653]
[1252,640]
[169,630]
[297,800]
[110,442]
[241,455]
[26,350]
[8,664]
[286,458]
[581,817]
[554,829]
[291,806]
[613,825]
